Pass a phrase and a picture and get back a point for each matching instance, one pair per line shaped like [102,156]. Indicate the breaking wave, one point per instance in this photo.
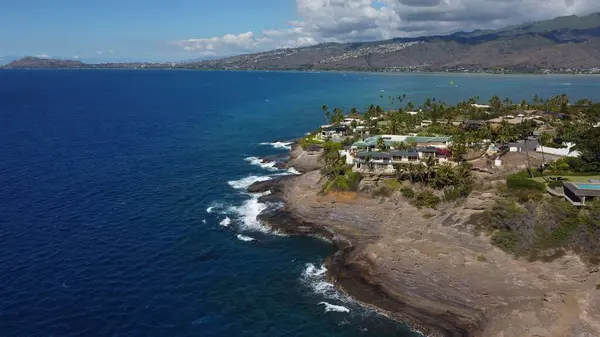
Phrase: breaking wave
[225,222]
[293,171]
[331,307]
[245,182]
[268,165]
[215,207]
[248,213]
[244,238]
[280,145]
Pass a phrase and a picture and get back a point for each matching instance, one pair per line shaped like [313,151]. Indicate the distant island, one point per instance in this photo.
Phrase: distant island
[568,44]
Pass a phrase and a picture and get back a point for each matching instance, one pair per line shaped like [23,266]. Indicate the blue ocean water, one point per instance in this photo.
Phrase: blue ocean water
[122,203]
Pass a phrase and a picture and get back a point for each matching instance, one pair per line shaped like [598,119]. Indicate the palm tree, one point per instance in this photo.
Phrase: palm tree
[401,146]
[486,131]
[381,144]
[326,112]
[545,139]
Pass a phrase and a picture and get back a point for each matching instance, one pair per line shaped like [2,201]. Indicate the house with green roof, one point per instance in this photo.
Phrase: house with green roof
[370,144]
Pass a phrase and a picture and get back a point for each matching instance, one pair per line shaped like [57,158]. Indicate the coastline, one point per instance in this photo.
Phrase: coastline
[318,71]
[435,274]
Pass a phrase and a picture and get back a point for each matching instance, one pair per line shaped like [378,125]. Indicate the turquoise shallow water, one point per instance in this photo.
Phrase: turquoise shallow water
[123,204]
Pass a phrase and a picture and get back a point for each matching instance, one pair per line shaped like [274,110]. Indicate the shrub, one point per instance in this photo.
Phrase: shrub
[555,183]
[393,184]
[382,192]
[457,192]
[407,192]
[517,183]
[506,239]
[426,198]
[347,182]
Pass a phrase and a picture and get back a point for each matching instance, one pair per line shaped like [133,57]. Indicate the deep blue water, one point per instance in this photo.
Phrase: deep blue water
[105,182]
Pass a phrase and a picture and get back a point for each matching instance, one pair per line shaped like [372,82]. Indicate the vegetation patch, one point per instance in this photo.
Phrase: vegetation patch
[309,140]
[393,184]
[425,199]
[407,192]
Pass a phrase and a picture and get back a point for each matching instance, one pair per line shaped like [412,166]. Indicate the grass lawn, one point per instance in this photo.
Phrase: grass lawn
[576,179]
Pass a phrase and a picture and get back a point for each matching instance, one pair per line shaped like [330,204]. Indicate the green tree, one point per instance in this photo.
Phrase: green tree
[495,103]
[381,144]
[545,139]
[337,117]
[326,113]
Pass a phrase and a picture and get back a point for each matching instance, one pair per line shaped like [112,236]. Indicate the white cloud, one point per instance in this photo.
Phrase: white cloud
[43,56]
[76,57]
[363,20]
[99,52]
[110,51]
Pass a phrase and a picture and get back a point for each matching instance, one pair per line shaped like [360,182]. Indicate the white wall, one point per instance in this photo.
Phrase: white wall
[564,152]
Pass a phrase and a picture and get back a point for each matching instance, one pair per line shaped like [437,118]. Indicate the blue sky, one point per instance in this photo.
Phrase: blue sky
[185,29]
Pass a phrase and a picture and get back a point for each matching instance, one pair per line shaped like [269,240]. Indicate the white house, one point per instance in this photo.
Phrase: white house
[480,106]
[426,123]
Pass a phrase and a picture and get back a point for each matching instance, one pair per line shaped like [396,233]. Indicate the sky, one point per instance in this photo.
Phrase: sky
[171,30]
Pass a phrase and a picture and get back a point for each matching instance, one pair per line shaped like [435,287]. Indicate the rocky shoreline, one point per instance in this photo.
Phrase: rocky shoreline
[433,272]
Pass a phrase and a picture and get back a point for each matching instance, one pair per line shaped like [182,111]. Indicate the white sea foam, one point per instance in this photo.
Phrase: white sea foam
[314,278]
[293,171]
[204,221]
[244,238]
[331,307]
[249,211]
[215,207]
[280,145]
[245,182]
[225,222]
[269,165]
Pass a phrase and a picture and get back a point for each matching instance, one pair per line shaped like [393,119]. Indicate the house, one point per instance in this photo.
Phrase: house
[412,112]
[580,193]
[530,145]
[384,162]
[390,141]
[473,124]
[480,106]
[332,131]
[425,123]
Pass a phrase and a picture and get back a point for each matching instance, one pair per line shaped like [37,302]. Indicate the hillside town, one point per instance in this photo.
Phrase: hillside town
[405,141]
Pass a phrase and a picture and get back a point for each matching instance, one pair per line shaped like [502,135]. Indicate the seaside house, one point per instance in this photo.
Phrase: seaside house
[390,141]
[383,162]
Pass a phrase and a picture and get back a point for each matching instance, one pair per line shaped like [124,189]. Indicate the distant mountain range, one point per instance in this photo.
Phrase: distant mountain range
[568,44]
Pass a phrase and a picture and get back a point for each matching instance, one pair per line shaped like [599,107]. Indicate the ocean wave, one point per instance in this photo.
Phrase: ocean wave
[314,278]
[248,213]
[331,307]
[247,181]
[269,165]
[293,171]
[225,222]
[280,145]
[244,238]
[215,207]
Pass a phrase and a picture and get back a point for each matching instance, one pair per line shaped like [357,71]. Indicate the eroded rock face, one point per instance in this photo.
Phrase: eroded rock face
[437,275]
[305,161]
